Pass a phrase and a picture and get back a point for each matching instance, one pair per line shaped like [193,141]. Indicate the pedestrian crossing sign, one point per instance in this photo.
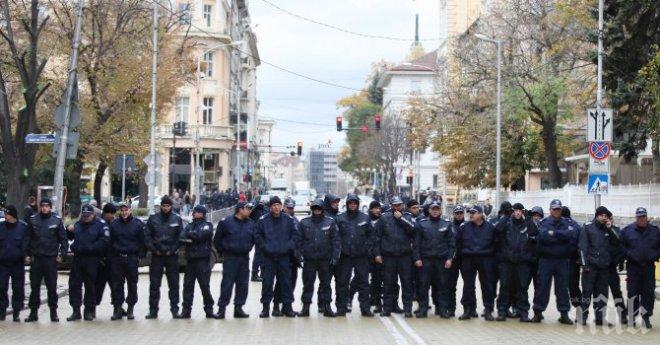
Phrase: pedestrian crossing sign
[598,183]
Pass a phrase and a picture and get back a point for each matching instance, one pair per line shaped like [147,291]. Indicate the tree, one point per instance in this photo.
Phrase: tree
[21,89]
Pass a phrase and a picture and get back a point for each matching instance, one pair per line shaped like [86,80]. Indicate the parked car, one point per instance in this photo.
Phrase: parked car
[135,201]
[302,204]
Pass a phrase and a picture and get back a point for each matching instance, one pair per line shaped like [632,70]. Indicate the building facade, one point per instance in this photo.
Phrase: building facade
[323,170]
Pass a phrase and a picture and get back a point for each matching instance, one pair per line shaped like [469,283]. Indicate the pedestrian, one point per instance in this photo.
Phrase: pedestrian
[275,238]
[289,208]
[393,249]
[14,242]
[198,240]
[433,252]
[556,243]
[517,242]
[30,209]
[90,236]
[187,204]
[163,232]
[48,244]
[449,292]
[127,246]
[234,239]
[104,275]
[641,245]
[318,246]
[357,237]
[475,243]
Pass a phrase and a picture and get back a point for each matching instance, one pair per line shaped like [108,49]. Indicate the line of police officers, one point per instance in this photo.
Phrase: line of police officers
[407,253]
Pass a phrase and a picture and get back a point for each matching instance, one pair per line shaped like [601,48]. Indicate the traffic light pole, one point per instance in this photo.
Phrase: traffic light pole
[151,191]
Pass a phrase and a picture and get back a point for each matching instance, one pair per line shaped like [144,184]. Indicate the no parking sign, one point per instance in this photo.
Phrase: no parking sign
[600,150]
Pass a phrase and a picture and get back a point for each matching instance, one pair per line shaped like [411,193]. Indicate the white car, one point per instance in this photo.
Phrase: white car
[135,201]
[365,200]
[302,203]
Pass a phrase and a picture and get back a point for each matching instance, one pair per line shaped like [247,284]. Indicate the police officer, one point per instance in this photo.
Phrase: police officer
[641,245]
[331,205]
[275,237]
[91,237]
[517,238]
[48,245]
[433,252]
[198,240]
[595,244]
[104,275]
[536,215]
[13,252]
[617,265]
[452,273]
[257,261]
[162,235]
[555,245]
[234,239]
[289,208]
[574,267]
[375,269]
[127,246]
[475,243]
[393,249]
[318,246]
[356,235]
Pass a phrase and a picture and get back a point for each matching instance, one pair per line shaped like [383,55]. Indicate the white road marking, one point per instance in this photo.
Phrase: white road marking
[409,330]
[398,337]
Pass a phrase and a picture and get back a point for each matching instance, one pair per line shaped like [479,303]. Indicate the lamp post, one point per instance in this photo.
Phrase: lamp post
[498,154]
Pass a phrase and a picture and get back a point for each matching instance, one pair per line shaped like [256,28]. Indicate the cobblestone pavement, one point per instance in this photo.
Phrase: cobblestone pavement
[314,330]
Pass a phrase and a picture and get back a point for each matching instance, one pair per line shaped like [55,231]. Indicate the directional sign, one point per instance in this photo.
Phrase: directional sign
[599,166]
[598,183]
[73,139]
[599,149]
[599,125]
[74,120]
[39,138]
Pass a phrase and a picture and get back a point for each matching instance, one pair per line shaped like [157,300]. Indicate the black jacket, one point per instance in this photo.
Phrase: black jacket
[433,239]
[472,239]
[356,234]
[595,245]
[641,245]
[47,236]
[234,237]
[394,237]
[127,237]
[198,238]
[275,235]
[14,241]
[163,232]
[517,240]
[557,238]
[318,239]
[90,239]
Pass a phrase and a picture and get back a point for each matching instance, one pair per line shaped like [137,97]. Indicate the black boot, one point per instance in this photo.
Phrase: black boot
[488,315]
[265,312]
[444,314]
[327,311]
[378,309]
[647,322]
[53,315]
[175,313]
[397,309]
[123,312]
[366,312]
[422,313]
[88,314]
[277,312]
[239,313]
[287,310]
[116,314]
[538,316]
[408,312]
[305,310]
[524,317]
[467,314]
[129,313]
[512,314]
[75,315]
[221,313]
[17,315]
[501,316]
[34,315]
[564,319]
[185,314]
[153,314]
[3,315]
[256,277]
[208,313]
[341,312]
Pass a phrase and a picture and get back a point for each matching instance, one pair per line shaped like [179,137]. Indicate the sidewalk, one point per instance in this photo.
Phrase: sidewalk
[62,289]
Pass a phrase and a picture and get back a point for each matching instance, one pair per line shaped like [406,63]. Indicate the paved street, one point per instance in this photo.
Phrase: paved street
[317,329]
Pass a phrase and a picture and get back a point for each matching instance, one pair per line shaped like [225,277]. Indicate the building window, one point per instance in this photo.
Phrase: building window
[207,15]
[208,64]
[208,110]
[184,14]
[182,107]
[435,181]
[415,86]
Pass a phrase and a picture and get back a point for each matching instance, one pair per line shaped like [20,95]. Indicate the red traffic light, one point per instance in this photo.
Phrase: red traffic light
[339,123]
[299,148]
[364,129]
[377,121]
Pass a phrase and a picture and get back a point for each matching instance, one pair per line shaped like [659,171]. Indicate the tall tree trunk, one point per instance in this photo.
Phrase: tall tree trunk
[549,136]
[98,180]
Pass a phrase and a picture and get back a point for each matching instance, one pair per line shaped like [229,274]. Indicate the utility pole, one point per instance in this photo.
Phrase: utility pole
[58,185]
[123,177]
[152,140]
[599,91]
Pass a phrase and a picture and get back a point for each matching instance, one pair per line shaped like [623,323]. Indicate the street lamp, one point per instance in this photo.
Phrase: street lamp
[498,154]
[198,167]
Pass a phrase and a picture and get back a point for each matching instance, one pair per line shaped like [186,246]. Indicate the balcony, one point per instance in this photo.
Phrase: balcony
[205,132]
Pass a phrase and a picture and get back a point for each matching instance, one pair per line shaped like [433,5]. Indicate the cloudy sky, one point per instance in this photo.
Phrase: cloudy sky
[304,109]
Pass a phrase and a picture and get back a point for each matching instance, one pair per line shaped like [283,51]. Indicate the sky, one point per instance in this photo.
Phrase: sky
[329,55]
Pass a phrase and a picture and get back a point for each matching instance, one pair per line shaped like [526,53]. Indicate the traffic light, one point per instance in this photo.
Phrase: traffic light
[299,148]
[409,179]
[364,129]
[377,122]
[180,128]
[339,123]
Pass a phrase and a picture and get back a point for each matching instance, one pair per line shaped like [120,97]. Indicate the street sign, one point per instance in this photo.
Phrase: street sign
[599,166]
[599,125]
[159,161]
[599,150]
[598,183]
[159,178]
[73,139]
[130,164]
[39,138]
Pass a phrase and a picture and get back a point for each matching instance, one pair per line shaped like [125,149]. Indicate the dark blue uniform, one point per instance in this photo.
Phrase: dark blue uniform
[394,238]
[13,250]
[642,249]
[47,241]
[357,237]
[258,260]
[198,239]
[319,246]
[162,235]
[452,273]
[127,246]
[556,244]
[434,245]
[90,242]
[614,281]
[274,237]
[574,292]
[295,265]
[476,246]
[517,253]
[234,239]
[375,273]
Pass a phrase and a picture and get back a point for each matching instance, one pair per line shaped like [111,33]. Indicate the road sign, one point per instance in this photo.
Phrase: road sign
[39,138]
[599,150]
[599,125]
[74,120]
[599,166]
[73,139]
[598,183]
[159,161]
[159,178]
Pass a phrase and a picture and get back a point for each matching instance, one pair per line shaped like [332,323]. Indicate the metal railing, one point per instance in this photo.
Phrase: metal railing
[205,132]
